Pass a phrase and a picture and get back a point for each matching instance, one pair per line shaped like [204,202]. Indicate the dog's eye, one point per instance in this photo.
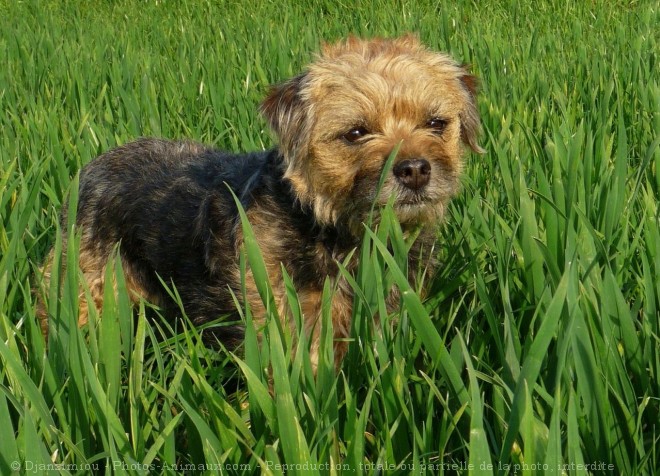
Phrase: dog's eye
[355,134]
[437,125]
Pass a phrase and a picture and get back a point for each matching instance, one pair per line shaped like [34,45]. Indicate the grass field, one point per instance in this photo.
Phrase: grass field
[537,350]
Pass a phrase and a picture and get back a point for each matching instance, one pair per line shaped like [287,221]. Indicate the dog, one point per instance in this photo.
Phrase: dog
[169,207]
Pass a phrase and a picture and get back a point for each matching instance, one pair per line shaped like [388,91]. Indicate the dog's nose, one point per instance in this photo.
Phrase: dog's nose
[413,173]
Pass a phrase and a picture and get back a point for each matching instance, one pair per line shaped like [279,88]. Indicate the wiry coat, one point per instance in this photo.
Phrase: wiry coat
[168,204]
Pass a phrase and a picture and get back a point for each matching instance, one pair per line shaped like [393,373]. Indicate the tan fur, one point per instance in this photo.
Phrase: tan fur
[92,263]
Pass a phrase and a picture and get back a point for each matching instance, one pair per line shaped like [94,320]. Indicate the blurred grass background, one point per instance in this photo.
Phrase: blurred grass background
[537,349]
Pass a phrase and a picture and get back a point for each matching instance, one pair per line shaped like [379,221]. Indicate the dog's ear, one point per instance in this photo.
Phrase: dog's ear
[470,122]
[286,111]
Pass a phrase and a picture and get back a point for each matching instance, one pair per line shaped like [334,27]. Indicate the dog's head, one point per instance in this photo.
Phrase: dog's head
[338,122]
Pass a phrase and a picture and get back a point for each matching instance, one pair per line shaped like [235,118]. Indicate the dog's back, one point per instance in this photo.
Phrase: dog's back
[169,208]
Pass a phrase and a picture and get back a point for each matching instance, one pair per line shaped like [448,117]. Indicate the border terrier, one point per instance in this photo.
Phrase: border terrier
[168,204]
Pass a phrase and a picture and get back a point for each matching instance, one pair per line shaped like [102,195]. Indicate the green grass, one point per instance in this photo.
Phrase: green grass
[537,348]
